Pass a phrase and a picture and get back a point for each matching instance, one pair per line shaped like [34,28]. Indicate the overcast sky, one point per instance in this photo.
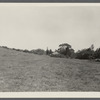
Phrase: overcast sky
[32,27]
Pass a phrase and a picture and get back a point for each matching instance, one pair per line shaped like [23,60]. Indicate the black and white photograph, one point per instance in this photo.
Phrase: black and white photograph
[49,47]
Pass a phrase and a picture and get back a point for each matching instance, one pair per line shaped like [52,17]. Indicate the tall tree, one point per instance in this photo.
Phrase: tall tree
[50,51]
[47,51]
[65,49]
[92,47]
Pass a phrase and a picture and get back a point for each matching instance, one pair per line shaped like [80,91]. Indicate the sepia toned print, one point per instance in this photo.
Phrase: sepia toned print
[49,48]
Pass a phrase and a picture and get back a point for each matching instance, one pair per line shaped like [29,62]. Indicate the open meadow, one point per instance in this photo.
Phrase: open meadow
[26,72]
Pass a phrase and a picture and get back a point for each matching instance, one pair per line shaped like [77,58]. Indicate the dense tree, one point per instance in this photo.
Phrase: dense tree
[38,51]
[65,49]
[47,51]
[72,53]
[97,53]
[26,51]
[50,51]
[86,53]
[65,45]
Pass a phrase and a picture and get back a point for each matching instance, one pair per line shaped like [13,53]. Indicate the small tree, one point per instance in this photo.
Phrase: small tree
[47,51]
[92,47]
[50,51]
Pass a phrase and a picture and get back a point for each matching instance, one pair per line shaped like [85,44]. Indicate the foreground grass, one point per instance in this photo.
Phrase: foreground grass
[20,72]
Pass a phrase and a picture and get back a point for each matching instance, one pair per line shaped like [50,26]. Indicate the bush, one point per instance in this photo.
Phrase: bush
[84,54]
[38,51]
[97,53]
[5,47]
[26,51]
[48,52]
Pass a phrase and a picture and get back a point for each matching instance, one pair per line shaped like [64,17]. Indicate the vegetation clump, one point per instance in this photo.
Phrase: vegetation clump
[65,50]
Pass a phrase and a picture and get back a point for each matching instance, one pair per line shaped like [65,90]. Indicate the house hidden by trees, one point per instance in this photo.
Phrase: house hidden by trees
[65,50]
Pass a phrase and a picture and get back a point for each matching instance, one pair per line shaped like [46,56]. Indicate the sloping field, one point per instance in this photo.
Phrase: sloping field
[20,72]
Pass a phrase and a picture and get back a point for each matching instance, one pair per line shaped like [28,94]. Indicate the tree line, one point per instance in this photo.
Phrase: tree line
[88,53]
[65,50]
[34,51]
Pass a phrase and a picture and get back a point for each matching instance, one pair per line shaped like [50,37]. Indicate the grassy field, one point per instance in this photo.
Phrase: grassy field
[20,72]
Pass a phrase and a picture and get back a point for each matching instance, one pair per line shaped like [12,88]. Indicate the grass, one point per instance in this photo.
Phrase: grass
[24,72]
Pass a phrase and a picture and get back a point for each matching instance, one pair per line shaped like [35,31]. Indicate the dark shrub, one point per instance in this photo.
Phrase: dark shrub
[38,51]
[84,54]
[97,53]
